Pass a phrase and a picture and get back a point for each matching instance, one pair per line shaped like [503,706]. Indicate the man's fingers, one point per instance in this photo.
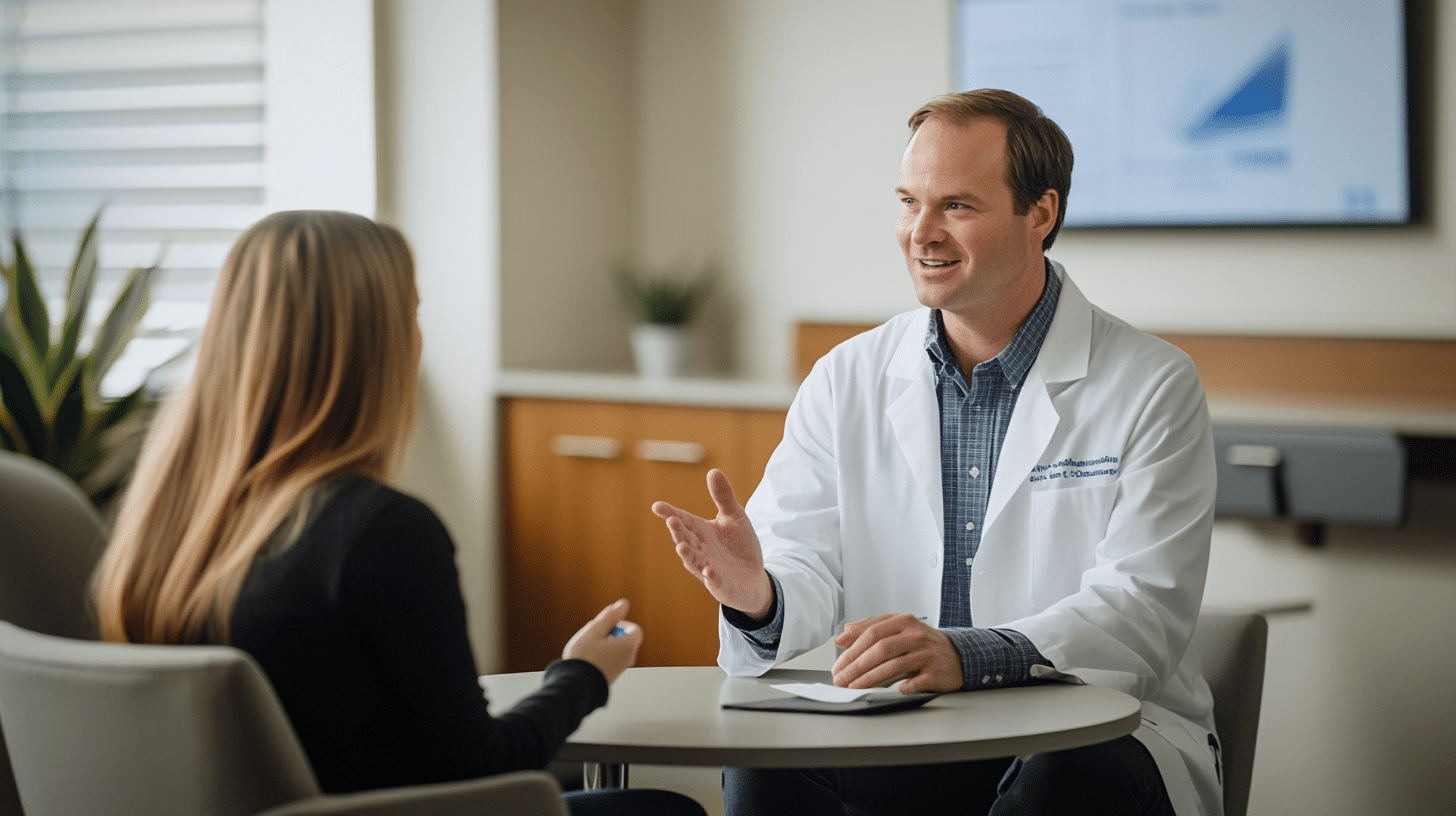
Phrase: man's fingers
[916,683]
[869,673]
[678,529]
[693,561]
[880,650]
[869,649]
[882,675]
[854,629]
[722,492]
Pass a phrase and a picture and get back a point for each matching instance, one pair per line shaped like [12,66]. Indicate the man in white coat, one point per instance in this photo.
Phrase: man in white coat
[1006,486]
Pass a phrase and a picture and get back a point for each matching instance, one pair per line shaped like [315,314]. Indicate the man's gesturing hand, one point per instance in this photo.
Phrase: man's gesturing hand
[723,553]
[880,650]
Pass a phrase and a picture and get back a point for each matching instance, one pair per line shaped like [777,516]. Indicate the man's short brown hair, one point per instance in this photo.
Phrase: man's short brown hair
[1038,153]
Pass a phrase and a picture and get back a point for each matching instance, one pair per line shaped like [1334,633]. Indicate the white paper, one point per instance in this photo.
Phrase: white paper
[825,693]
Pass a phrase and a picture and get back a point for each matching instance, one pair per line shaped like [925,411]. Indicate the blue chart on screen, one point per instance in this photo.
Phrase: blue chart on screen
[1223,112]
[1257,103]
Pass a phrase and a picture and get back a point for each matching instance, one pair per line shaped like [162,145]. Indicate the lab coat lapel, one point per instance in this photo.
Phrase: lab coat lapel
[1063,358]
[914,415]
[1032,425]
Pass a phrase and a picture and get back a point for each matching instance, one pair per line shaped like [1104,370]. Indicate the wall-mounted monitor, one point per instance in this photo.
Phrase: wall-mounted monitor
[1210,112]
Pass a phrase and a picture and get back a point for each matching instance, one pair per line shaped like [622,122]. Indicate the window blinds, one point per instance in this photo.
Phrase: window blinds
[188,120]
[154,109]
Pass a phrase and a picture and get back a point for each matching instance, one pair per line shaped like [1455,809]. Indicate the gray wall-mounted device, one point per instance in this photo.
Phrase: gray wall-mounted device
[1311,474]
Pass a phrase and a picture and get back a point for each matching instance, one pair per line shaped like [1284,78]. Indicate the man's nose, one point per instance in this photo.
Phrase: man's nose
[928,228]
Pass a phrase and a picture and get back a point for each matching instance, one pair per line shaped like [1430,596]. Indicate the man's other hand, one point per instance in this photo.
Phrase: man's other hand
[723,553]
[881,650]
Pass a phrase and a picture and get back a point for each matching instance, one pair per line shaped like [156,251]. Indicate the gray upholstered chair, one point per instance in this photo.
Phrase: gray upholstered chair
[50,537]
[1232,645]
[136,730]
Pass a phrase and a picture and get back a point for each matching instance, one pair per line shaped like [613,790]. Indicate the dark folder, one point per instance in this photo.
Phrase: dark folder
[803,704]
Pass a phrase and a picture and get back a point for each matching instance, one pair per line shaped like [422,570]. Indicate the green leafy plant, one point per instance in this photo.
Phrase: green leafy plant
[665,299]
[51,406]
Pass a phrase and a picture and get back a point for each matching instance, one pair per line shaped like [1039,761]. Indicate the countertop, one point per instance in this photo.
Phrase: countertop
[1435,419]
[695,391]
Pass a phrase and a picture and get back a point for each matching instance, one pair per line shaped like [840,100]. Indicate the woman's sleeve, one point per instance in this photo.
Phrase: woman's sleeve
[400,583]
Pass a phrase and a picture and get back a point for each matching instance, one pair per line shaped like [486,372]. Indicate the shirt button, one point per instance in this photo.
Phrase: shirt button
[970,561]
[970,525]
[986,679]
[975,473]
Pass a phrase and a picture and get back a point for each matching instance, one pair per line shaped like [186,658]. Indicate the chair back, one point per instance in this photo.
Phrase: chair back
[50,538]
[138,730]
[518,793]
[1232,645]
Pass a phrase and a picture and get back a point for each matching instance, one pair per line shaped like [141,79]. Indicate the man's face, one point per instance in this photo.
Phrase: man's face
[967,251]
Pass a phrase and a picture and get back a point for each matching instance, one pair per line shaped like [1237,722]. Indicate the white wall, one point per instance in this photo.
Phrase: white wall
[438,183]
[567,123]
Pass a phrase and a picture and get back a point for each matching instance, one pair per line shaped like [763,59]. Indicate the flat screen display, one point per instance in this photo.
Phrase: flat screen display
[1209,112]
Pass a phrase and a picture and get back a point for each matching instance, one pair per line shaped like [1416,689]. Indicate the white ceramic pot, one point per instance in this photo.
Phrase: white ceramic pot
[660,351]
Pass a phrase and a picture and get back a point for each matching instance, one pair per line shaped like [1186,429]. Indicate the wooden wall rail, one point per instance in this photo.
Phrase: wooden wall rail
[1361,370]
[1383,372]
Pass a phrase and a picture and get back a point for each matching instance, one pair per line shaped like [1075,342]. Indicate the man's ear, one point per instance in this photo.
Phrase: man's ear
[1044,213]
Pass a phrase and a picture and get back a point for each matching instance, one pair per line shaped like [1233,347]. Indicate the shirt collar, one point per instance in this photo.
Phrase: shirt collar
[1015,360]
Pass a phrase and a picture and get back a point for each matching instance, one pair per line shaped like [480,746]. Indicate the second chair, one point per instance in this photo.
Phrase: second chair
[141,730]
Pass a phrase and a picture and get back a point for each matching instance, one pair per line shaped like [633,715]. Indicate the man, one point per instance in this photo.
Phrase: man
[1003,487]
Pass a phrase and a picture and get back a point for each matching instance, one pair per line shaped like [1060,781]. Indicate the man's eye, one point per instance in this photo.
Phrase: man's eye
[955,205]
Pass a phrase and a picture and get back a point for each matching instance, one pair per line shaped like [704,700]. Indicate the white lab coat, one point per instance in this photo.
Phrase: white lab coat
[1095,542]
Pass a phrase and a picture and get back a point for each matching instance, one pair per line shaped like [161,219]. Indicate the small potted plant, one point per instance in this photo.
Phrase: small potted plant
[663,305]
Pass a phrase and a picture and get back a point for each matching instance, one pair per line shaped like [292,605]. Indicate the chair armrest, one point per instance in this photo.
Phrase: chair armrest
[520,793]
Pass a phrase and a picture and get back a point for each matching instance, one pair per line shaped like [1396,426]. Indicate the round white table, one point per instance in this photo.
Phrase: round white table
[674,716]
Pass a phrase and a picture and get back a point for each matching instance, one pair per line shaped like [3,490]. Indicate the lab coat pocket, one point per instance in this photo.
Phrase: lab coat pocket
[1066,526]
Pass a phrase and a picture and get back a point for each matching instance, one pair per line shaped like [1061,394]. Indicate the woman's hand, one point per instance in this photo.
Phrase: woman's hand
[607,641]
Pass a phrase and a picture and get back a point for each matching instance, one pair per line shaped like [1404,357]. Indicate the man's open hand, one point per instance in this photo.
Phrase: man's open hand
[723,553]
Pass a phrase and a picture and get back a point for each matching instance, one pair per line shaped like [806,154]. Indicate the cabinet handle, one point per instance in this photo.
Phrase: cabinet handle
[660,450]
[586,447]
[1265,456]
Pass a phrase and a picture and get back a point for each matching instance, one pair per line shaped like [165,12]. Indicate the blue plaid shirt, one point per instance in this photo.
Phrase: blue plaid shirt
[974,417]
[973,421]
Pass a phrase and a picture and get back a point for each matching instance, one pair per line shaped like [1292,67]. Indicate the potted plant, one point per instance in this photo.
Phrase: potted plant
[663,304]
[51,407]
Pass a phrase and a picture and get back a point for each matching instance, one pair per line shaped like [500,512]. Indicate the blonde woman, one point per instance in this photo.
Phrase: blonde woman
[260,517]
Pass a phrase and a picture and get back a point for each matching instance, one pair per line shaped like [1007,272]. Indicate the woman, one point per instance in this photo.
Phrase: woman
[259,517]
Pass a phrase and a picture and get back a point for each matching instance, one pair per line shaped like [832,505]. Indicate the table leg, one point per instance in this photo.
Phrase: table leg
[598,775]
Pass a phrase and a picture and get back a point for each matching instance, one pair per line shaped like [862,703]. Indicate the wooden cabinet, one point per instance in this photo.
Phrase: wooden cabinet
[580,480]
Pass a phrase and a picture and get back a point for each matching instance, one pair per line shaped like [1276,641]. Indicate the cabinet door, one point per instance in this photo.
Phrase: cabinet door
[679,616]
[567,501]
[764,431]
[580,481]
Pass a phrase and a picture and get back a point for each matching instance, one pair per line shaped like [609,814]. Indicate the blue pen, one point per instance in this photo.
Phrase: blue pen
[618,631]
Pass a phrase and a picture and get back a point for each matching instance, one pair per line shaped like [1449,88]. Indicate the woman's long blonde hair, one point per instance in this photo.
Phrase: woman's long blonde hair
[306,370]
